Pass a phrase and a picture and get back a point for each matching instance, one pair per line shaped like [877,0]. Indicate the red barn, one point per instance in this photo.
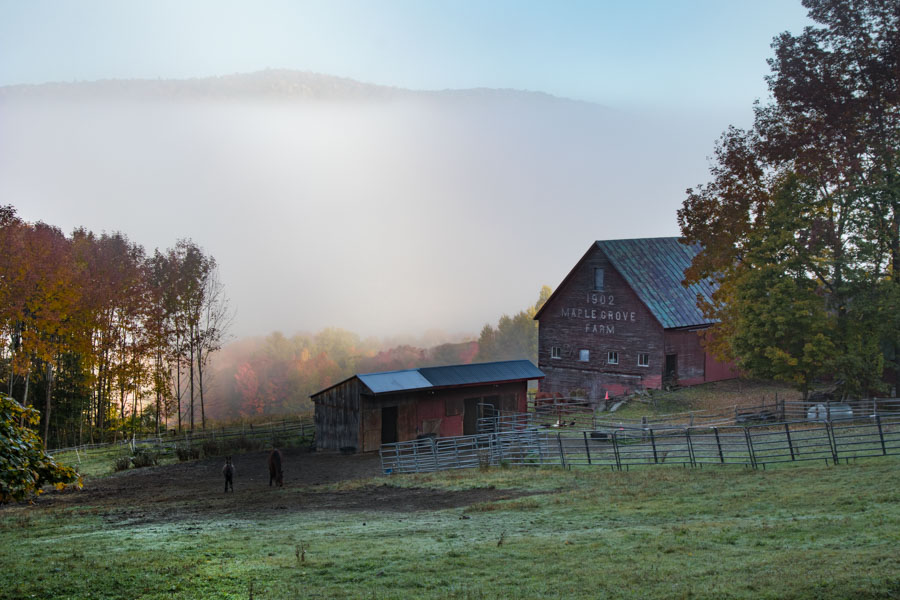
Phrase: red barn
[621,321]
[371,409]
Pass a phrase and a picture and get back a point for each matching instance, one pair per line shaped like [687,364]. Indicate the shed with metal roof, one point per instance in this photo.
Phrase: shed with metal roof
[622,320]
[369,409]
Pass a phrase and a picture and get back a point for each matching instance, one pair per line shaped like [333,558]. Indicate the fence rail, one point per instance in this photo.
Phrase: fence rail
[753,446]
[266,432]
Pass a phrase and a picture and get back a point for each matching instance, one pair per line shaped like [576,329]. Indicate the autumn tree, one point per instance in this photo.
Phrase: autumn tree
[514,337]
[88,323]
[800,222]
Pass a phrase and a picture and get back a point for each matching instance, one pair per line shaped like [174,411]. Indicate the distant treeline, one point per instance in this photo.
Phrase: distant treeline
[275,375]
[102,337]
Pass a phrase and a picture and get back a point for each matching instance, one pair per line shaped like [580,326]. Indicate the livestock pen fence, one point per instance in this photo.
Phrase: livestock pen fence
[594,413]
[280,432]
[621,448]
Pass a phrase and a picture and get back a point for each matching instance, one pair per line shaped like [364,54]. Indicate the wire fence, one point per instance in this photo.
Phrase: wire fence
[622,448]
[275,432]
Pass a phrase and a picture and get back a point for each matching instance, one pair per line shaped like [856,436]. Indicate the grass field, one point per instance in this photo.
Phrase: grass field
[715,397]
[810,531]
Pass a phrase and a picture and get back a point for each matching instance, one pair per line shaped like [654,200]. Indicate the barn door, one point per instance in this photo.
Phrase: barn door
[671,367]
[388,424]
[470,416]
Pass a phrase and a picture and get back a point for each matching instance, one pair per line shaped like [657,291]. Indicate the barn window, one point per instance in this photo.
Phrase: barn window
[555,352]
[598,280]
[612,357]
[584,355]
[643,359]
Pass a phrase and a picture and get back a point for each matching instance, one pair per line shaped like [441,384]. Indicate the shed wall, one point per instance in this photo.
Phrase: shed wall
[433,411]
[337,416]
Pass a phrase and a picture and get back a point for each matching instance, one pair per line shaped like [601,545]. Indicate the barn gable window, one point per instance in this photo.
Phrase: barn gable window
[612,357]
[643,359]
[598,279]
[555,352]
[584,355]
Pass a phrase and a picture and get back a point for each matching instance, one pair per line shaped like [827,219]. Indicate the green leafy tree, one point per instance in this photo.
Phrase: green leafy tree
[514,337]
[800,222]
[24,466]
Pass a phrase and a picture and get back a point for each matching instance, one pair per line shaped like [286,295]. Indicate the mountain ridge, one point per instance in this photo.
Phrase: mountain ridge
[269,84]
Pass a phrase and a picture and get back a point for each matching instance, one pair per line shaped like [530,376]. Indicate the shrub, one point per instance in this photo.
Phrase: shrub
[144,458]
[122,463]
[25,467]
[210,447]
[244,444]
[186,452]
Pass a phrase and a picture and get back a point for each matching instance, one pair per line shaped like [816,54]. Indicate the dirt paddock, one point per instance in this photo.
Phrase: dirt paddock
[195,489]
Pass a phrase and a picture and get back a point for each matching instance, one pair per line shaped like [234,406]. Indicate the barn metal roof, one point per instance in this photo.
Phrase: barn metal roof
[393,381]
[491,372]
[654,268]
[438,377]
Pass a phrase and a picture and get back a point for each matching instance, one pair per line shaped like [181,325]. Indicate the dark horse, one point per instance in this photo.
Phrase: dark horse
[275,473]
[228,472]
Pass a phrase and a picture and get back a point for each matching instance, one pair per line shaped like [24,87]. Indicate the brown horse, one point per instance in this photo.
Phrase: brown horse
[275,473]
[228,472]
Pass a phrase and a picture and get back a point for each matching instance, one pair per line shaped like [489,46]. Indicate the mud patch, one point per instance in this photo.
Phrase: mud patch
[195,490]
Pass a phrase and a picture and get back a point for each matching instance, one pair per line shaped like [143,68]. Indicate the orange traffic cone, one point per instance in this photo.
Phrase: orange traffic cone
[607,396]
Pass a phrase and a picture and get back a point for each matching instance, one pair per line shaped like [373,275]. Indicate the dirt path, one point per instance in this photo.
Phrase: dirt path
[195,489]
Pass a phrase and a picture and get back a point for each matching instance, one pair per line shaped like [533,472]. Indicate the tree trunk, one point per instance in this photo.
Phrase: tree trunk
[178,380]
[191,345]
[122,410]
[47,404]
[200,376]
[25,395]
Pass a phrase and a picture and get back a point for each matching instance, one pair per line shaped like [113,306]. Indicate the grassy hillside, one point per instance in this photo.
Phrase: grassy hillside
[797,532]
[714,397]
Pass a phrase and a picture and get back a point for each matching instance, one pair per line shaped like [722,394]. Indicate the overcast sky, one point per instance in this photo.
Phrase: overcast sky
[391,219]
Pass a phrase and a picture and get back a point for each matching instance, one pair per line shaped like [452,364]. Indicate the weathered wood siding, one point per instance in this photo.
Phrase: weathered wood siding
[718,371]
[600,321]
[337,416]
[371,422]
[691,356]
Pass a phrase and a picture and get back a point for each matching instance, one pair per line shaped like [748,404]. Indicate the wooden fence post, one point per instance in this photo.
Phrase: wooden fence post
[586,446]
[750,447]
[616,450]
[653,443]
[719,445]
[881,435]
[690,447]
[831,441]
[787,431]
[562,452]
